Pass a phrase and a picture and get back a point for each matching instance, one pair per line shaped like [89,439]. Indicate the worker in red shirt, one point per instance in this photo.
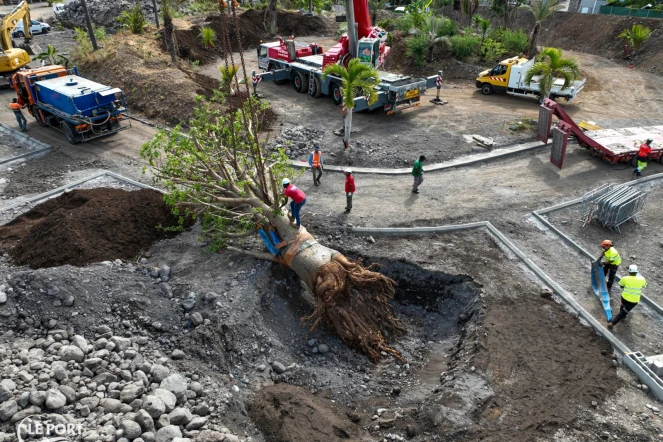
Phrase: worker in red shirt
[349,189]
[298,200]
[643,156]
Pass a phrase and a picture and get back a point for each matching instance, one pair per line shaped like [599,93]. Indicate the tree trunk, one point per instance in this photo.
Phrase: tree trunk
[270,17]
[169,35]
[534,36]
[347,128]
[351,299]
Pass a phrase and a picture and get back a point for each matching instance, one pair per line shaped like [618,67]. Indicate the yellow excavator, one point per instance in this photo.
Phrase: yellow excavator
[14,58]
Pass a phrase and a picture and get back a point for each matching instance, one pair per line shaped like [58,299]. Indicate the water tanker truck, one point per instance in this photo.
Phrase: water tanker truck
[81,109]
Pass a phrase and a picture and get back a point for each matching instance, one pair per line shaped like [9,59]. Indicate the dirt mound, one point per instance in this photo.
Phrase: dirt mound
[153,87]
[539,383]
[599,34]
[285,413]
[86,226]
[251,32]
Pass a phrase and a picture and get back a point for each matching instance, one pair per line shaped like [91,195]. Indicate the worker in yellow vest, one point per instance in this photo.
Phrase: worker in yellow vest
[632,286]
[612,261]
[315,161]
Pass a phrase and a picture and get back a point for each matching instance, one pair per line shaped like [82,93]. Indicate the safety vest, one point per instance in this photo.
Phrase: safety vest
[316,158]
[612,257]
[15,106]
[632,287]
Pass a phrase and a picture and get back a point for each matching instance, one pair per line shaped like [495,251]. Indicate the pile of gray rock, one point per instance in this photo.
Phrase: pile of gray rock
[298,141]
[103,13]
[112,386]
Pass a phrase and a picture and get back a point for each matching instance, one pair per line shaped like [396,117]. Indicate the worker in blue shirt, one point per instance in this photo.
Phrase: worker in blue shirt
[315,161]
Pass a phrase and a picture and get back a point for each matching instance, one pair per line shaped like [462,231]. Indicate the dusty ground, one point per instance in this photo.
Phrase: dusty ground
[537,370]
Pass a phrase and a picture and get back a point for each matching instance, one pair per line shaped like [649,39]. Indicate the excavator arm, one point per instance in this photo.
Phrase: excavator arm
[9,22]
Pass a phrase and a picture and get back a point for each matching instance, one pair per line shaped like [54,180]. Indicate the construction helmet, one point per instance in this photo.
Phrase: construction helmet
[285,181]
[633,268]
[348,171]
[606,243]
[650,140]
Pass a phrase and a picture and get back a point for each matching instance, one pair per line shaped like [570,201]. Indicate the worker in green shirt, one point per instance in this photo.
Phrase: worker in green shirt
[418,173]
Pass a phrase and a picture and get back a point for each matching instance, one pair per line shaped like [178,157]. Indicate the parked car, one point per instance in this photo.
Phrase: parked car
[35,28]
[58,8]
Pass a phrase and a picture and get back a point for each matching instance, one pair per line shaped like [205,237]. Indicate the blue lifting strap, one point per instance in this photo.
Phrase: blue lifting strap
[275,240]
[601,289]
[268,243]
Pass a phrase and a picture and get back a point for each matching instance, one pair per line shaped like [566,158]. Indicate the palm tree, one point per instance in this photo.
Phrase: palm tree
[635,36]
[357,80]
[167,7]
[550,65]
[374,6]
[541,9]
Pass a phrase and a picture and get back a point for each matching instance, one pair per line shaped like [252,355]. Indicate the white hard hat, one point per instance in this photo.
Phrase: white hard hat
[285,181]
[348,170]
[633,268]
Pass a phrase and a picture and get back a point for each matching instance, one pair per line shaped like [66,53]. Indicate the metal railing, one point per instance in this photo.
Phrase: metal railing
[630,12]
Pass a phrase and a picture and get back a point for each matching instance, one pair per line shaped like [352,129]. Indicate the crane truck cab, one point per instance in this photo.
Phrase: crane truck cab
[509,77]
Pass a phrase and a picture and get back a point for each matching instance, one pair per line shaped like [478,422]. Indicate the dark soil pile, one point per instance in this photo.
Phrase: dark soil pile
[153,87]
[251,32]
[539,383]
[86,226]
[285,413]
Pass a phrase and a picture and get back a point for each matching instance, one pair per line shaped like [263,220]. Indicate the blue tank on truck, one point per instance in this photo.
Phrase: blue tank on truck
[82,109]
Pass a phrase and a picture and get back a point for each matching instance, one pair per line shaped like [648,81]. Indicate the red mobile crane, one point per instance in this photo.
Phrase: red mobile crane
[302,64]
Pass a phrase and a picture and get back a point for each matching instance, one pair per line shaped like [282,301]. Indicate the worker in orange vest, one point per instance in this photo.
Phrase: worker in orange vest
[643,156]
[315,161]
[16,107]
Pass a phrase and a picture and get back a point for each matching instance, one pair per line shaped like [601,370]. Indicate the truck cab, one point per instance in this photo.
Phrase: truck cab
[497,78]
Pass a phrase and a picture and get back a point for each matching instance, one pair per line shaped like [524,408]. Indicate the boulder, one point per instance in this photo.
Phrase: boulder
[159,372]
[180,416]
[121,344]
[114,406]
[168,433]
[55,400]
[176,384]
[130,429]
[145,420]
[71,353]
[68,393]
[210,436]
[196,423]
[80,342]
[154,406]
[7,410]
[131,392]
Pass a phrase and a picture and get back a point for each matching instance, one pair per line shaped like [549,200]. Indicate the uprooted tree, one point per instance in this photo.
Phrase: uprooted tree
[218,172]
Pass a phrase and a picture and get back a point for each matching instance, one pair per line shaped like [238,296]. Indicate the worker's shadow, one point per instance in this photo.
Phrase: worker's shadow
[409,202]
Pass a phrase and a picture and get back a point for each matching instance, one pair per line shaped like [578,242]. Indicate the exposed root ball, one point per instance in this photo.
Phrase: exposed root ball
[354,302]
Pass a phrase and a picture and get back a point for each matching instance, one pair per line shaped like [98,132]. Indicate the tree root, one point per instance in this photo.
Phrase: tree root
[354,302]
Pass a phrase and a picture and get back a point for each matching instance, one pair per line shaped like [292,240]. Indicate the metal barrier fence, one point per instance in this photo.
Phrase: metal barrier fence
[611,206]
[631,12]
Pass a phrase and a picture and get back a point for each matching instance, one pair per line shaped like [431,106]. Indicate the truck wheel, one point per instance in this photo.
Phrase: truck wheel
[69,133]
[541,99]
[19,34]
[633,161]
[40,117]
[300,82]
[486,89]
[336,94]
[315,90]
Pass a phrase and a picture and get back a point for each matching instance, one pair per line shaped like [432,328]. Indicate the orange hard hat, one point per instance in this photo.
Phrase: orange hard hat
[606,243]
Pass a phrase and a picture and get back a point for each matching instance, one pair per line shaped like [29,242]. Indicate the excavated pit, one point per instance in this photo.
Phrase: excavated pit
[436,309]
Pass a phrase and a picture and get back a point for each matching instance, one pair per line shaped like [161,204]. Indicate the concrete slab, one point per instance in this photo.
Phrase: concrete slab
[16,145]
